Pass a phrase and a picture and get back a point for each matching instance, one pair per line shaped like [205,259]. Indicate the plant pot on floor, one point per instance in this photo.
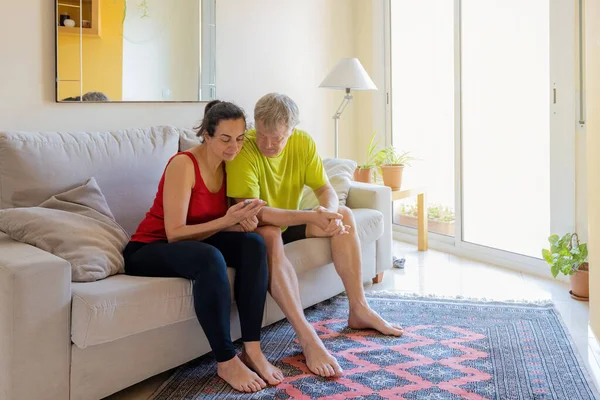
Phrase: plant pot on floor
[392,175]
[580,283]
[570,257]
[364,175]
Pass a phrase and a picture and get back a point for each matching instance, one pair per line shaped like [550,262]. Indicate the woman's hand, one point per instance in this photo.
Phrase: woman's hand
[244,210]
[250,224]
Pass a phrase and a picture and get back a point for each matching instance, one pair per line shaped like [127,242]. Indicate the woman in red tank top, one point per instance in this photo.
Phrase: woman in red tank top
[190,232]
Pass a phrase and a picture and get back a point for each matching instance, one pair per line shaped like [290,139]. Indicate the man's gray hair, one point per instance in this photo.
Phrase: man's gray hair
[274,109]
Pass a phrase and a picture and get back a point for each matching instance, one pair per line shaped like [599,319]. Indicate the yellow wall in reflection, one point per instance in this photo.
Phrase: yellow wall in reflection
[102,57]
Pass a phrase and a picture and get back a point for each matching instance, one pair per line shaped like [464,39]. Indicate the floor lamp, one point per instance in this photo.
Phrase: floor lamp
[348,74]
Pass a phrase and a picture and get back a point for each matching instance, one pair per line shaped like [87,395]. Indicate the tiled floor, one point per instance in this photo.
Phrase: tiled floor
[442,274]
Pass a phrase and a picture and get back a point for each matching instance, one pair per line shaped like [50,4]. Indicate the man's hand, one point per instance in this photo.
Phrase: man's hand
[336,227]
[329,222]
[250,224]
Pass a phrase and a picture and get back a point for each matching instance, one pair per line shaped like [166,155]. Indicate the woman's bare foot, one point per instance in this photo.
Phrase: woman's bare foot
[237,374]
[254,358]
[365,318]
[319,361]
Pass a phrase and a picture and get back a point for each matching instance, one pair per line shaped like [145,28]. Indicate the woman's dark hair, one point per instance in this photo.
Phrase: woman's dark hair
[217,111]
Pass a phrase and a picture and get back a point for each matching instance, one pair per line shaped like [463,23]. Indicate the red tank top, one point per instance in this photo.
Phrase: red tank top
[204,206]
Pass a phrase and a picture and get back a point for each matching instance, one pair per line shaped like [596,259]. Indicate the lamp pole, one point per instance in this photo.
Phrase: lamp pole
[338,114]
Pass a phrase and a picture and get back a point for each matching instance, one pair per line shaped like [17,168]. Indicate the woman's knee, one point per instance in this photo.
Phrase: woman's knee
[254,246]
[210,263]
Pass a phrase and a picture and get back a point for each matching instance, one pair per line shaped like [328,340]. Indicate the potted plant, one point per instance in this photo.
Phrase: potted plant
[364,173]
[391,163]
[440,218]
[567,256]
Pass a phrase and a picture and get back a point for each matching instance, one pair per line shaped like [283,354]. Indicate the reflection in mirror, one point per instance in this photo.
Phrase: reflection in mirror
[135,50]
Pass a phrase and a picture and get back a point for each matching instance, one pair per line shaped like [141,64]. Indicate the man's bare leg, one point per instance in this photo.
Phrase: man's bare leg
[348,264]
[283,286]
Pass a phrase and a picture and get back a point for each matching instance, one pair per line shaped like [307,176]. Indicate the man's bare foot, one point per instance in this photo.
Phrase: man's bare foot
[365,318]
[237,374]
[319,361]
[257,361]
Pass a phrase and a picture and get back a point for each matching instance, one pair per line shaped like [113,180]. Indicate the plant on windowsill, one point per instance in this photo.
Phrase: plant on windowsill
[567,256]
[440,218]
[365,172]
[391,163]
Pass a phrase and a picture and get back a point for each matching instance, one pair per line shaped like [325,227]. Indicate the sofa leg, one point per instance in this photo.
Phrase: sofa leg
[378,278]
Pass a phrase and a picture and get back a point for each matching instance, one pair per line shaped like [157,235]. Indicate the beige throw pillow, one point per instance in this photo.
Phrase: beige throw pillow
[188,139]
[340,173]
[76,225]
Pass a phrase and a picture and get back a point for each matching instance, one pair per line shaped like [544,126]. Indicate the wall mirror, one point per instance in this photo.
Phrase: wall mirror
[135,50]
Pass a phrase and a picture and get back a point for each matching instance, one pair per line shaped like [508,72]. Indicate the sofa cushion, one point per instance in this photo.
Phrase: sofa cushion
[76,225]
[127,165]
[122,305]
[369,224]
[340,173]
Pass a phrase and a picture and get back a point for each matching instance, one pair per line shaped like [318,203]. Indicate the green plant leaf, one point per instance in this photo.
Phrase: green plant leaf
[553,240]
[564,252]
[555,270]
[547,256]
[583,250]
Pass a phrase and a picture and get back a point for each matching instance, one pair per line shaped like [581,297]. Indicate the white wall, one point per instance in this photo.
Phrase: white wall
[370,106]
[592,56]
[161,53]
[287,46]
[262,46]
[27,82]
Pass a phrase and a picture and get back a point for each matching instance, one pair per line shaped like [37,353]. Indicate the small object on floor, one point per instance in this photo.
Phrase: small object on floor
[399,262]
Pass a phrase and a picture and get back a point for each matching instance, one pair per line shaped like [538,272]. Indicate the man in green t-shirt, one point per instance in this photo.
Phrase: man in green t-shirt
[275,164]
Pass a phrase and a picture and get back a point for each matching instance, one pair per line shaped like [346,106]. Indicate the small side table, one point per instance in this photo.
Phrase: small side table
[421,194]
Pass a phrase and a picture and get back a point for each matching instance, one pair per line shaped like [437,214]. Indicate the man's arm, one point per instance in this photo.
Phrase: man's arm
[279,217]
[327,197]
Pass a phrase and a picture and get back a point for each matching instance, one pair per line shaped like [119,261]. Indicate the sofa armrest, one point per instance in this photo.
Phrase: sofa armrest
[35,344]
[377,197]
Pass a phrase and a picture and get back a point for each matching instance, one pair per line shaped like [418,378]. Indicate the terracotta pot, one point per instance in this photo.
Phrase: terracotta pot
[363,175]
[580,283]
[392,175]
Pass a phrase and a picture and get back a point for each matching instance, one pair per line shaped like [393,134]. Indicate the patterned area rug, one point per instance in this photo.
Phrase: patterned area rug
[451,349]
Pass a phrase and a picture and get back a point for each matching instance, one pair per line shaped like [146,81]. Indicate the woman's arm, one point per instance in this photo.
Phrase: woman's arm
[177,190]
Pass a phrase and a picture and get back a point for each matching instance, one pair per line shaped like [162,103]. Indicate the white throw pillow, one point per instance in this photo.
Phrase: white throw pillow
[340,173]
[76,225]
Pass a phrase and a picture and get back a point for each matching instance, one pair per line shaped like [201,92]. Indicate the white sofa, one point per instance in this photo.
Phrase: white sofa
[81,341]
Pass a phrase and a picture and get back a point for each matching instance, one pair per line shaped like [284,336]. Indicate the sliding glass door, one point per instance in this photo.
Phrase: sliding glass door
[482,93]
[422,85]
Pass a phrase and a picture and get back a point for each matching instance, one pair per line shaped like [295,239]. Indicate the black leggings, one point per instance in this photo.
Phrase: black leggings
[206,262]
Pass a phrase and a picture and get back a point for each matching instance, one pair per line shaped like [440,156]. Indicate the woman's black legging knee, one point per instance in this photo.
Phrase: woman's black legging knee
[206,263]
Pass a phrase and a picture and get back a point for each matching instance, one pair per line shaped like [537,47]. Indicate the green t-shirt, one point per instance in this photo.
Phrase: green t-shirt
[277,180]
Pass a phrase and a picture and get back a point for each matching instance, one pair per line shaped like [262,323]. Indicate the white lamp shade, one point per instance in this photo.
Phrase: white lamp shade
[348,74]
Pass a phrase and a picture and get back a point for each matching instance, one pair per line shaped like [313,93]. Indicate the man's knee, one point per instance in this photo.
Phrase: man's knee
[347,214]
[270,234]
[345,211]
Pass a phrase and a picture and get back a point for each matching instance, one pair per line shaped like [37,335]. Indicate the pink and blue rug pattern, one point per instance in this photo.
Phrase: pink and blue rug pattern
[451,349]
